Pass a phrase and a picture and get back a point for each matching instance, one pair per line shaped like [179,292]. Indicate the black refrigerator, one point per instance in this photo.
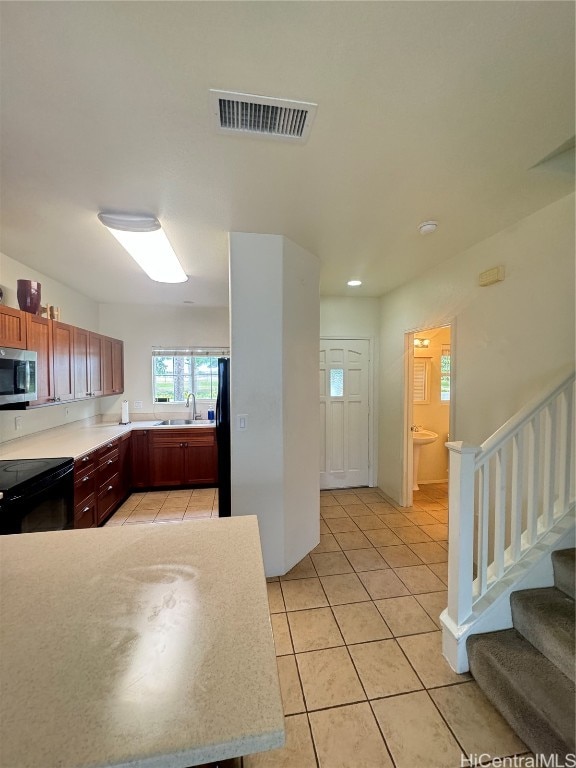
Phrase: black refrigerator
[223,436]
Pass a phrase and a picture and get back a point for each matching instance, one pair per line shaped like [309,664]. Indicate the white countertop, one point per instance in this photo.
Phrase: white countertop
[77,438]
[144,646]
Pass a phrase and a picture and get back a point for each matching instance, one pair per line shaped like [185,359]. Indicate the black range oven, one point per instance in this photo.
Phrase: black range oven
[36,495]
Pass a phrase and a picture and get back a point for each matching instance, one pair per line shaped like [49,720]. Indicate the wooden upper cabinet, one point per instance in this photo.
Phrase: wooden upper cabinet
[39,340]
[106,366]
[63,351]
[112,366]
[72,363]
[95,350]
[12,328]
[117,366]
[81,363]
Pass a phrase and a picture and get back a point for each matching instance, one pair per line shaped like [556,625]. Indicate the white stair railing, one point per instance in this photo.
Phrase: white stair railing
[505,495]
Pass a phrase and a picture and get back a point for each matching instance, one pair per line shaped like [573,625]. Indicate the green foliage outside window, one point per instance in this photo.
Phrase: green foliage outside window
[445,374]
[175,376]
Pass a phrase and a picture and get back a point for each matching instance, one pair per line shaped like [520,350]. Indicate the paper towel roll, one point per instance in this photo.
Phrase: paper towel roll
[125,418]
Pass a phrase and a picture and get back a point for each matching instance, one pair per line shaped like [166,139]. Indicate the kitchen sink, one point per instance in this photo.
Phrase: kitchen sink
[185,423]
[175,422]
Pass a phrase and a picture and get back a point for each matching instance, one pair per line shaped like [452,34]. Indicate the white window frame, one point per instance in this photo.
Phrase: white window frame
[184,352]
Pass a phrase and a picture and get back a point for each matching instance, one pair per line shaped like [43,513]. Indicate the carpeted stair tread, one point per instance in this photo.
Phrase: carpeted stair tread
[533,695]
[563,562]
[545,617]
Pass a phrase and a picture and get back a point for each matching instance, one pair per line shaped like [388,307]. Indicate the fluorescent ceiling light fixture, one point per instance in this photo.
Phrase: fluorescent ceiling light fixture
[145,240]
[354,283]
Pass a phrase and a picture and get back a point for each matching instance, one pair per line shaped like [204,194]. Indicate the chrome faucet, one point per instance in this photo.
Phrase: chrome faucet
[193,396]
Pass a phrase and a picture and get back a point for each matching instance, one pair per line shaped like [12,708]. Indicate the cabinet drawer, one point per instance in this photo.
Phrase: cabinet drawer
[107,447]
[201,437]
[84,485]
[108,465]
[192,436]
[85,513]
[84,464]
[109,493]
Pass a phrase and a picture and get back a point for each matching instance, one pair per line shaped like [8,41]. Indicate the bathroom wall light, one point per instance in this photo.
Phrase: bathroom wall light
[354,283]
[145,240]
[421,343]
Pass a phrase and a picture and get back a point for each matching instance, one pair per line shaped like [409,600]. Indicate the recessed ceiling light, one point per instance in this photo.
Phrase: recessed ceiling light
[145,240]
[354,282]
[427,227]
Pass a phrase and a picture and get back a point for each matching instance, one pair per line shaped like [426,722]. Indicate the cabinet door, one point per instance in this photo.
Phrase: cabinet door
[201,458]
[63,350]
[117,366]
[112,366]
[139,459]
[39,335]
[167,459]
[12,328]
[124,471]
[81,363]
[95,364]
[106,348]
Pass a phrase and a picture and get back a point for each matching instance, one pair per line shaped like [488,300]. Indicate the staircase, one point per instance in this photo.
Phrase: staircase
[528,671]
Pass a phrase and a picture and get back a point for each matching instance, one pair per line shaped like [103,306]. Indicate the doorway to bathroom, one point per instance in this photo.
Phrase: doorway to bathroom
[428,410]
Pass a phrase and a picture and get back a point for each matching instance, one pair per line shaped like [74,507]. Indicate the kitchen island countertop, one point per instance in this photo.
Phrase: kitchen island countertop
[140,646]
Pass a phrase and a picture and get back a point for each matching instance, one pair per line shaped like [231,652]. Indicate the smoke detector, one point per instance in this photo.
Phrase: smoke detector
[262,116]
[427,227]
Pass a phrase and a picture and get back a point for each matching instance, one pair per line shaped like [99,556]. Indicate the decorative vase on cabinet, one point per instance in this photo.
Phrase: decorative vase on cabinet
[28,293]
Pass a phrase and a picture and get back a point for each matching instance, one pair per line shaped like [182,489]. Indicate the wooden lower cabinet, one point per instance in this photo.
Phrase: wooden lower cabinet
[101,482]
[84,491]
[144,458]
[183,457]
[85,513]
[140,459]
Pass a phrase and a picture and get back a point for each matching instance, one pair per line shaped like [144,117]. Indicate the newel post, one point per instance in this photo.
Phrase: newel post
[461,531]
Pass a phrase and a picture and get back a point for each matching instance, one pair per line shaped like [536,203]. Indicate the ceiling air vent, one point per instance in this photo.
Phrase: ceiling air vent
[245,114]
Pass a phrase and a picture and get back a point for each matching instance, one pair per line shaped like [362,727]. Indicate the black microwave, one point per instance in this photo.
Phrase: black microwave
[17,376]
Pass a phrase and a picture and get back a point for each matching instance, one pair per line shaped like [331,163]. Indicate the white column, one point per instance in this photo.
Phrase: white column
[274,316]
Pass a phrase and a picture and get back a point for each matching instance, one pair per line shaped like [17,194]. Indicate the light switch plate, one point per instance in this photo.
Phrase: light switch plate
[242,422]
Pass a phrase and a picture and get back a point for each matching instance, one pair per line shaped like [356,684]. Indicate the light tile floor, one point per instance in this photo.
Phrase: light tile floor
[167,506]
[358,642]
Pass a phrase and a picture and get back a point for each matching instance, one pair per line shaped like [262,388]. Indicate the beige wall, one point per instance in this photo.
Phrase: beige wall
[434,415]
[76,309]
[143,327]
[509,340]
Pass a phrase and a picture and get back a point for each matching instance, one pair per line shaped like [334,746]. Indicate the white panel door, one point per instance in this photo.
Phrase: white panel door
[344,412]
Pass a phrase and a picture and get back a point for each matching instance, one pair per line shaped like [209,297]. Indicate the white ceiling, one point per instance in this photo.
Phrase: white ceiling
[427,110]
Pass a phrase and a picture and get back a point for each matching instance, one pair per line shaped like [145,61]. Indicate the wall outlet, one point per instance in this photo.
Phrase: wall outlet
[137,405]
[18,423]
